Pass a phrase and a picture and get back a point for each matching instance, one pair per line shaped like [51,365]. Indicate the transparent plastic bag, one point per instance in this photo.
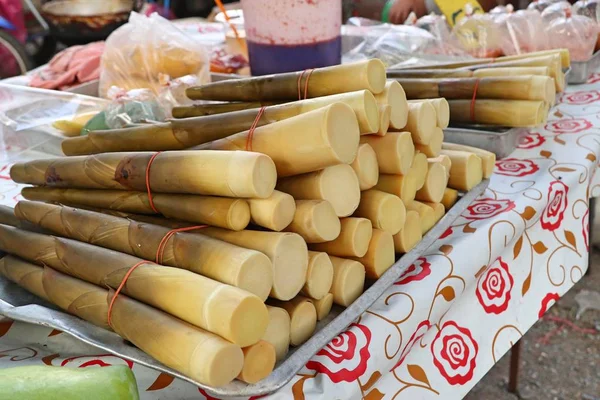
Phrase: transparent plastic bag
[555,11]
[520,32]
[479,35]
[132,107]
[172,92]
[590,9]
[139,51]
[436,25]
[577,33]
[540,5]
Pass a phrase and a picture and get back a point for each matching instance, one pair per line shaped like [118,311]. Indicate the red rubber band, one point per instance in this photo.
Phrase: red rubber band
[163,243]
[310,71]
[473,100]
[121,285]
[306,83]
[253,127]
[300,84]
[148,182]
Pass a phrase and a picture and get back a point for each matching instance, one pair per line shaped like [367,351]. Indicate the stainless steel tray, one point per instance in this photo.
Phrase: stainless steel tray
[581,70]
[18,304]
[499,140]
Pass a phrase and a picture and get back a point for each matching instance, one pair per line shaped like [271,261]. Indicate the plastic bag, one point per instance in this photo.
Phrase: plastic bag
[139,51]
[555,11]
[590,9]
[540,5]
[132,107]
[479,35]
[436,25]
[520,32]
[172,92]
[577,33]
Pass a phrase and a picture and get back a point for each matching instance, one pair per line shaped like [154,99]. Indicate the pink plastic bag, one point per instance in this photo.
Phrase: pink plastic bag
[479,35]
[521,32]
[574,32]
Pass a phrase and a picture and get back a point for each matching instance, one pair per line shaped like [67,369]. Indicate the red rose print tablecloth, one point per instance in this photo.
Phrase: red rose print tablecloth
[456,311]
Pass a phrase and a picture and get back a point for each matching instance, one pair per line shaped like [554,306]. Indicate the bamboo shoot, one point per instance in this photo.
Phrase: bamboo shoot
[384,120]
[444,160]
[385,211]
[511,71]
[365,167]
[432,149]
[514,113]
[435,183]
[410,235]
[380,255]
[323,305]
[421,122]
[418,170]
[217,173]
[466,170]
[442,110]
[315,221]
[353,240]
[438,210]
[287,251]
[278,331]
[348,280]
[303,318]
[275,212]
[403,186]
[200,110]
[426,215]
[319,275]
[394,151]
[259,361]
[362,75]
[488,159]
[450,198]
[337,184]
[394,96]
[24,274]
[201,355]
[309,142]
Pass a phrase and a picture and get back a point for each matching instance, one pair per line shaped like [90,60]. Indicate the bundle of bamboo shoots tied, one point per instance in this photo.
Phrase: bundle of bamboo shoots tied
[515,91]
[338,186]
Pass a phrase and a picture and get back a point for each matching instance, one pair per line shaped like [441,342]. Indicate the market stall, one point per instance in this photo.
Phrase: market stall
[154,242]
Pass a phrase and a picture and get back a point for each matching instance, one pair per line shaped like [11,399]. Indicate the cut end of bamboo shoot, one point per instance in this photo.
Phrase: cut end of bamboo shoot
[278,331]
[435,183]
[410,235]
[380,256]
[365,167]
[421,122]
[303,319]
[385,211]
[426,215]
[319,275]
[418,171]
[433,148]
[384,119]
[488,158]
[259,361]
[275,212]
[466,170]
[394,151]
[323,306]
[315,221]
[394,96]
[450,198]
[348,280]
[353,241]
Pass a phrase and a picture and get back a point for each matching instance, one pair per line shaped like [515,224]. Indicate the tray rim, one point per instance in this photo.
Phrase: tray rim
[285,371]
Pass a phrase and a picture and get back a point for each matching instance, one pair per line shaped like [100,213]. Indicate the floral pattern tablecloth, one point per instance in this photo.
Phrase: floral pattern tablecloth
[437,331]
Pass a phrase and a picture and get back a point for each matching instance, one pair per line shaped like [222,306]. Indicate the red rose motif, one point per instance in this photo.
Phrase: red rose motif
[557,204]
[585,222]
[548,302]
[101,360]
[454,352]
[494,286]
[568,125]
[531,141]
[345,357]
[447,233]
[416,272]
[421,330]
[515,167]
[594,78]
[487,208]
[583,97]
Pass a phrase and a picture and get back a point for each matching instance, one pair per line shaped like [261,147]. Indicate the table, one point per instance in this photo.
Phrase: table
[454,313]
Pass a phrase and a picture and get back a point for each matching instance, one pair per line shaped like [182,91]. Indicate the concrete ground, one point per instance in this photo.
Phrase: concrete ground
[560,355]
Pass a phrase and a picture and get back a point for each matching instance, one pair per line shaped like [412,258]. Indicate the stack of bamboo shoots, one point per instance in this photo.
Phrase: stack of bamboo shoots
[296,212]
[515,91]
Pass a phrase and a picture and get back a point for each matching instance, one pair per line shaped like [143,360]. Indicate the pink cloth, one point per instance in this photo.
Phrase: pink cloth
[77,64]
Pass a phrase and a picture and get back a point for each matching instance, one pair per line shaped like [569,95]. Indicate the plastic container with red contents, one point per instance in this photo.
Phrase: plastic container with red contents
[292,35]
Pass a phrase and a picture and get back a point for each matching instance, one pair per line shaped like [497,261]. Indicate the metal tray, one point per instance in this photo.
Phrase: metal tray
[18,304]
[581,70]
[499,140]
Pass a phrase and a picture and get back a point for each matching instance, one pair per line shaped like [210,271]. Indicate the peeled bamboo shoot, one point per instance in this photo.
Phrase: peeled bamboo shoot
[76,297]
[380,255]
[511,71]
[435,183]
[438,210]
[362,75]
[421,122]
[247,269]
[348,280]
[275,212]
[426,215]
[385,211]
[278,331]
[259,361]
[442,110]
[444,160]
[353,240]
[418,170]
[466,170]
[384,120]
[323,306]
[394,96]
[24,274]
[365,167]
[450,198]
[432,149]
[337,184]
[309,142]
[218,173]
[201,355]
[403,186]
[395,151]
[410,235]
[488,159]
[319,275]
[303,318]
[287,251]
[315,221]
